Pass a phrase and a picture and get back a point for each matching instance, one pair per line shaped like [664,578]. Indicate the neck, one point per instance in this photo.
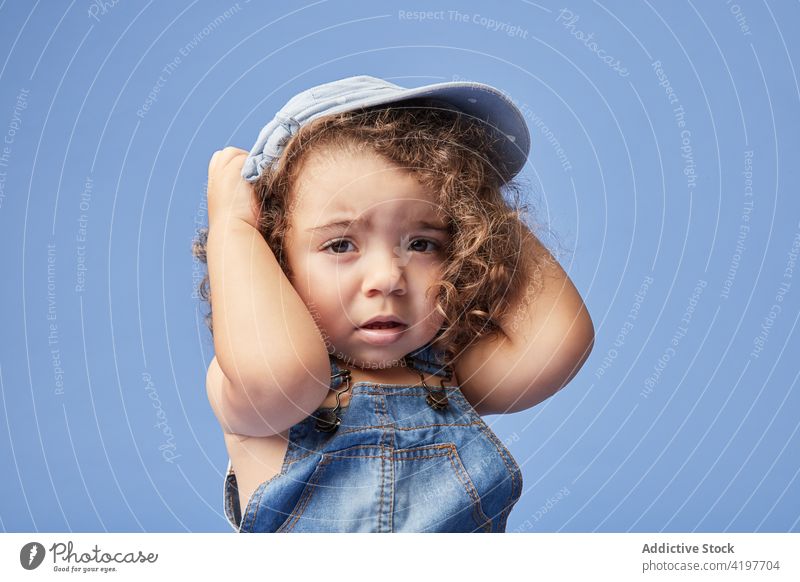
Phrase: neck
[360,365]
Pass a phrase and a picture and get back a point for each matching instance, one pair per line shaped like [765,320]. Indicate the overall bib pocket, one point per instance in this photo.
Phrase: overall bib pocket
[370,488]
[348,490]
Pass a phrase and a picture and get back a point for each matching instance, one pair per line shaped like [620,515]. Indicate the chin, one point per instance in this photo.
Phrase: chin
[364,355]
[374,358]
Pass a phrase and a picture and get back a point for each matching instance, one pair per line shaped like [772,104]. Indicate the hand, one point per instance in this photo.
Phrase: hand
[229,195]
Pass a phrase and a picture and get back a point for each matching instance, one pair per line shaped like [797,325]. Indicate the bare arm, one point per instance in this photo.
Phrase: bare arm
[541,348]
[273,366]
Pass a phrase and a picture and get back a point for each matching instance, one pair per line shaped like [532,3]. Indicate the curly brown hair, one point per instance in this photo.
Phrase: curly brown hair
[487,266]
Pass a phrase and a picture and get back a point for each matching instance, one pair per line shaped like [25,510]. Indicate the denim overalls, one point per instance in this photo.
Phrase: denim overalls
[402,459]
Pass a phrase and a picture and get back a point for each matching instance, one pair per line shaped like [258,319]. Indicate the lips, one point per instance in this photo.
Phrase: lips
[384,322]
[382,330]
[383,325]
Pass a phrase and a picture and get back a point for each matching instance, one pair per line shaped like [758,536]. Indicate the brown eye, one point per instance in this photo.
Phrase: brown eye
[422,248]
[336,246]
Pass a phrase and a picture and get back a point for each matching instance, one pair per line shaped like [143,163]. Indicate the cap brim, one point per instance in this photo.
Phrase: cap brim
[479,101]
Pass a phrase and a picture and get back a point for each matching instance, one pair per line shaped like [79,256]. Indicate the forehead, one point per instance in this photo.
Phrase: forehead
[362,184]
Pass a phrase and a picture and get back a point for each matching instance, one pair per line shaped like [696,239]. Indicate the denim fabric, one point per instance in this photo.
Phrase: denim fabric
[395,464]
[480,102]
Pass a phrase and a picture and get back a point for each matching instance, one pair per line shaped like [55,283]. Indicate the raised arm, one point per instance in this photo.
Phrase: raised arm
[271,368]
[541,348]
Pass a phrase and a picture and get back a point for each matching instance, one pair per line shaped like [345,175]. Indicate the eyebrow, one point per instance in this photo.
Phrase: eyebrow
[343,224]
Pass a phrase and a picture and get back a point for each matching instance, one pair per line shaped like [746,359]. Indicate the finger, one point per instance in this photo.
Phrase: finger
[234,150]
[213,161]
[229,153]
[224,156]
[237,161]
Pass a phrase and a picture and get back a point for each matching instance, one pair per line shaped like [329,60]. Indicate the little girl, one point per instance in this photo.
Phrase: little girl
[373,294]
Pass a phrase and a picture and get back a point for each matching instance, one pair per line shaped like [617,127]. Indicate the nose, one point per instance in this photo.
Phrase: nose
[384,272]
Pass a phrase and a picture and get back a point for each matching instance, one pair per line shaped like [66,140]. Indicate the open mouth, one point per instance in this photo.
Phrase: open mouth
[382,333]
[384,325]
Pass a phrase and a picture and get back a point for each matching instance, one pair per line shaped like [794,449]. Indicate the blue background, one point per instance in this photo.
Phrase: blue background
[699,434]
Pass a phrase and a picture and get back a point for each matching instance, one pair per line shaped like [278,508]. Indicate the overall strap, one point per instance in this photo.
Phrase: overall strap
[429,360]
[425,360]
[337,374]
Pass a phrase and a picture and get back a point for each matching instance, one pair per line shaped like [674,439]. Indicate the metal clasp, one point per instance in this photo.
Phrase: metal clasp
[329,420]
[436,399]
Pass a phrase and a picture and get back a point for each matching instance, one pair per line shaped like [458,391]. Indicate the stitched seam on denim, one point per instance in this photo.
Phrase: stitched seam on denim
[252,512]
[479,422]
[433,456]
[414,390]
[432,446]
[391,458]
[380,502]
[505,454]
[298,459]
[354,447]
[468,408]
[483,519]
[477,511]
[416,394]
[516,490]
[320,450]
[514,471]
[391,496]
[448,424]
[419,427]
[483,427]
[302,504]
[393,481]
[248,513]
[309,491]
[259,494]
[256,500]
[377,403]
[501,525]
[384,416]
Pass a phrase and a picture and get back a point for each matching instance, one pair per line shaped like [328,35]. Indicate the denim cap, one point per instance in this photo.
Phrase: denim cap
[483,102]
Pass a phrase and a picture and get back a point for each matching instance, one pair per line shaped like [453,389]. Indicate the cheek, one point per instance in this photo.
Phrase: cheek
[314,278]
[428,288]
[317,282]
[299,275]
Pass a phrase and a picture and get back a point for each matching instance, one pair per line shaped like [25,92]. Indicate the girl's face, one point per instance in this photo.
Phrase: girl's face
[365,241]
